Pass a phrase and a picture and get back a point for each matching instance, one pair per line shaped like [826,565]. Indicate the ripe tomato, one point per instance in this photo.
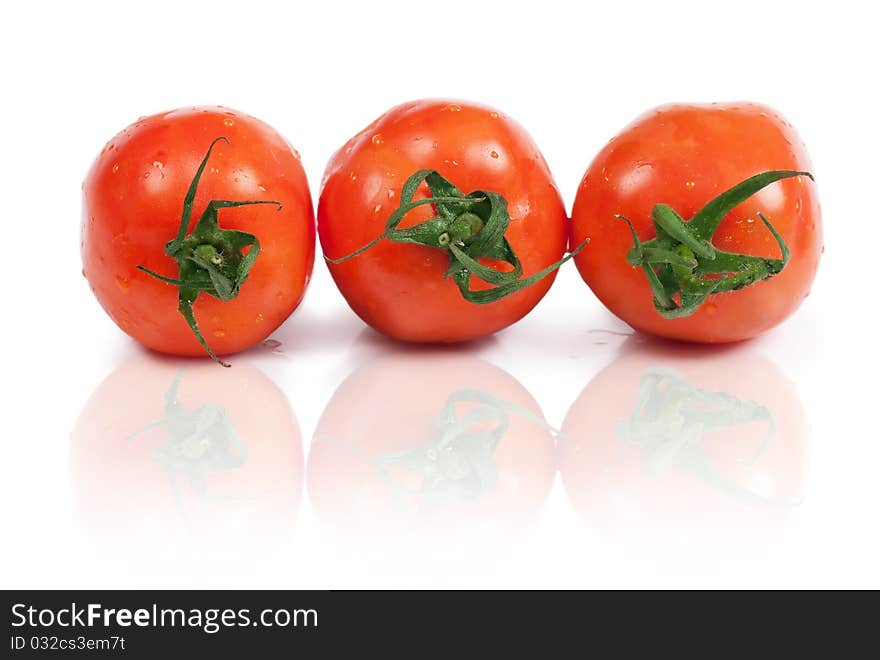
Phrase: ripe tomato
[400,289]
[132,202]
[675,443]
[684,156]
[430,445]
[164,455]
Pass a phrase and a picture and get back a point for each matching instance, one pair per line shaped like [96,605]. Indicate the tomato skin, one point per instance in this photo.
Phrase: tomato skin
[685,155]
[399,289]
[132,203]
[630,490]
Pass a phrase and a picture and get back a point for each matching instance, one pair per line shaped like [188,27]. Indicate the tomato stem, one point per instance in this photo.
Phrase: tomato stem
[681,260]
[209,259]
[467,228]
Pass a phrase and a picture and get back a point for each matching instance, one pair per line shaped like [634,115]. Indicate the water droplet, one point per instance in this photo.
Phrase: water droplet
[146,175]
[279,295]
[378,139]
[123,282]
[259,318]
[228,122]
[272,344]
[493,115]
[262,188]
[219,332]
[115,168]
[377,208]
[353,176]
[690,185]
[711,308]
[390,194]
[158,165]
[494,154]
[453,107]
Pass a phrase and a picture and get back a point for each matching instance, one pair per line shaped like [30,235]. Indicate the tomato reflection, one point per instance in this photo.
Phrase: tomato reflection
[182,451]
[685,443]
[438,446]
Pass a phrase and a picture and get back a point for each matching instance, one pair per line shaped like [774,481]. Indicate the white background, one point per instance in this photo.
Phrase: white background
[76,73]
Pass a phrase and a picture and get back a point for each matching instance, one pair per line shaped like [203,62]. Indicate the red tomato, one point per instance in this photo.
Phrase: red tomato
[684,156]
[164,454]
[678,444]
[400,289]
[132,202]
[431,445]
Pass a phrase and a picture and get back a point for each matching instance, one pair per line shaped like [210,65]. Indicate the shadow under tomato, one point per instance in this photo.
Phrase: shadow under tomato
[430,448]
[684,443]
[181,452]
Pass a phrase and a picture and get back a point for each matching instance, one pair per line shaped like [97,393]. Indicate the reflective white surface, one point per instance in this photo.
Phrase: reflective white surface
[563,452]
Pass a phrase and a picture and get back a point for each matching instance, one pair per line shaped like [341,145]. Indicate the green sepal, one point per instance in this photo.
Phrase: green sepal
[467,228]
[209,259]
[681,262]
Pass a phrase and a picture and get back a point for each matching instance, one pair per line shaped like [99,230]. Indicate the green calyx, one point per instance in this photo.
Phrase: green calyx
[682,262]
[209,259]
[467,228]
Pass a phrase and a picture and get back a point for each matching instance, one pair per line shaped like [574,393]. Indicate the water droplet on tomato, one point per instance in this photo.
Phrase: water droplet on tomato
[378,139]
[115,168]
[353,176]
[494,154]
[453,107]
[711,308]
[377,208]
[493,115]
[219,332]
[690,185]
[390,194]
[262,188]
[228,122]
[259,318]
[123,283]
